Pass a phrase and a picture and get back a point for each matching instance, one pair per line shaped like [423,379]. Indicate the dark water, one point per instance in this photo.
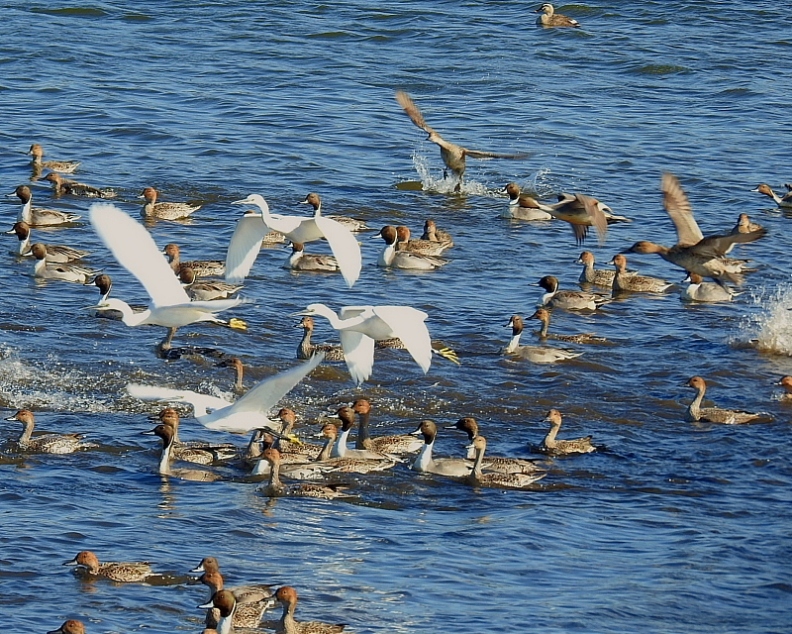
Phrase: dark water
[673,528]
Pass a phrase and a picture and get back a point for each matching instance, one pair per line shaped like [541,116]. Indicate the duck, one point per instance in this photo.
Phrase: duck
[287,596]
[543,315]
[581,212]
[55,252]
[698,290]
[624,281]
[62,186]
[745,225]
[563,447]
[165,211]
[590,275]
[275,488]
[425,462]
[243,416]
[38,216]
[228,613]
[46,443]
[213,578]
[534,354]
[524,207]
[167,434]
[550,18]
[453,155]
[64,167]
[353,224]
[119,571]
[786,383]
[197,451]
[395,444]
[433,234]
[251,601]
[568,300]
[499,464]
[390,257]
[72,626]
[66,271]
[306,349]
[696,413]
[206,290]
[360,326]
[781,201]
[426,248]
[252,227]
[295,466]
[693,252]
[235,363]
[299,260]
[136,251]
[349,463]
[346,415]
[478,478]
[201,268]
[288,417]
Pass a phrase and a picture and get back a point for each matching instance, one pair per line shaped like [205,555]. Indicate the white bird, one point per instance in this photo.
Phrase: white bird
[252,227]
[360,326]
[242,416]
[136,251]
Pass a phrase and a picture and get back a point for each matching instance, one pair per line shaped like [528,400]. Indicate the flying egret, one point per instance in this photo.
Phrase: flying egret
[135,250]
[252,227]
[249,412]
[360,326]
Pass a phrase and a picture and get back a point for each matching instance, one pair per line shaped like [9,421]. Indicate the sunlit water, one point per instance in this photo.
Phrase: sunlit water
[671,527]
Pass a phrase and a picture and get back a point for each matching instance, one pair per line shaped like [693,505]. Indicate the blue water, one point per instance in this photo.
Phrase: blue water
[672,527]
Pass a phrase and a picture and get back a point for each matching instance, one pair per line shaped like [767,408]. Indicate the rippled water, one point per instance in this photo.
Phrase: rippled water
[672,527]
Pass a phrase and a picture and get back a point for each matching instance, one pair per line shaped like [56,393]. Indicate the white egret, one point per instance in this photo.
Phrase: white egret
[136,251]
[360,326]
[244,415]
[252,227]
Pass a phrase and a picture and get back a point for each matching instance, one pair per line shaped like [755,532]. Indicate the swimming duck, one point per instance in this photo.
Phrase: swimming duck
[231,614]
[347,417]
[288,625]
[745,225]
[453,155]
[706,292]
[306,349]
[47,443]
[295,466]
[534,354]
[623,281]
[786,383]
[121,572]
[543,315]
[201,268]
[38,216]
[524,207]
[71,626]
[196,451]
[166,211]
[426,463]
[694,253]
[418,247]
[251,228]
[550,18]
[390,257]
[275,488]
[214,580]
[395,444]
[205,290]
[235,363]
[55,252]
[360,326]
[781,201]
[299,260]
[167,433]
[568,300]
[353,224]
[66,271]
[563,447]
[308,451]
[251,601]
[590,275]
[697,413]
[62,186]
[499,464]
[499,480]
[349,463]
[64,167]
[433,234]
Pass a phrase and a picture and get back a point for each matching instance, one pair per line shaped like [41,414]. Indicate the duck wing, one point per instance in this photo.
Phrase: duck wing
[678,206]
[412,111]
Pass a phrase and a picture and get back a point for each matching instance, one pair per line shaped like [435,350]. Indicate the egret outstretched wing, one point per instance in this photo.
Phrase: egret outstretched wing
[244,247]
[408,324]
[344,246]
[200,402]
[358,354]
[135,249]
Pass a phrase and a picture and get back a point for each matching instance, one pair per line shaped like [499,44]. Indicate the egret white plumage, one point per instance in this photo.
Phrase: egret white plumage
[360,326]
[252,227]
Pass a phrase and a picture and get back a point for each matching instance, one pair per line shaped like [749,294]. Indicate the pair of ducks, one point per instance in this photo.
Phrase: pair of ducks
[400,252]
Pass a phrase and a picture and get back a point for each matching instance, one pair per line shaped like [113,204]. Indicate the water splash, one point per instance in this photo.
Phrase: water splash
[773,326]
[444,185]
